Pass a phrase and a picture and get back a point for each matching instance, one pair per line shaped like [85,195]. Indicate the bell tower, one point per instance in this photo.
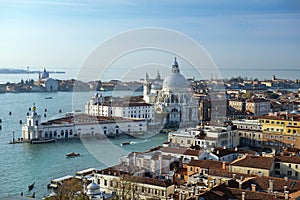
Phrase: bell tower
[34,119]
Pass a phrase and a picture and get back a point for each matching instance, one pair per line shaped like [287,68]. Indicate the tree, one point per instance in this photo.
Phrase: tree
[70,190]
[127,189]
[247,95]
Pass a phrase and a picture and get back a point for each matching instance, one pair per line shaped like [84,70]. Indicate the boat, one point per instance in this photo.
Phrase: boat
[41,141]
[126,143]
[73,154]
[48,98]
[30,187]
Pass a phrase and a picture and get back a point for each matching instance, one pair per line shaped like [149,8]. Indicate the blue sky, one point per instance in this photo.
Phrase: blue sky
[236,33]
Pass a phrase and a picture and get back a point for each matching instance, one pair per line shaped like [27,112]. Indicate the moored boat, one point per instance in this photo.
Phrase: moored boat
[41,141]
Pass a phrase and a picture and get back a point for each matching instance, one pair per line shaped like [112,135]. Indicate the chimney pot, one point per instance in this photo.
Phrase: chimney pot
[253,187]
[233,177]
[286,195]
[271,185]
[243,195]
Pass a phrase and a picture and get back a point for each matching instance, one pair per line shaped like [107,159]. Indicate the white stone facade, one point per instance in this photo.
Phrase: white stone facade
[79,125]
[137,110]
[172,98]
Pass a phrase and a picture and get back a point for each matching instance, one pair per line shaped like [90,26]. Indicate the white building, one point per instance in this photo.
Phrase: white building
[207,137]
[79,125]
[115,181]
[99,106]
[49,84]
[173,98]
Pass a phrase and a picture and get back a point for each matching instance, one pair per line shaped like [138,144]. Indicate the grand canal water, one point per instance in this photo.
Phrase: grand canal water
[22,164]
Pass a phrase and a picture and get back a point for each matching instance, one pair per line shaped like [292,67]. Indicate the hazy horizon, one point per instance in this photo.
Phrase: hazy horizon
[61,34]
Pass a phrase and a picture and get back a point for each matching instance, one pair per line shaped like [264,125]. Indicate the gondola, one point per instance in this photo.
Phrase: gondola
[30,187]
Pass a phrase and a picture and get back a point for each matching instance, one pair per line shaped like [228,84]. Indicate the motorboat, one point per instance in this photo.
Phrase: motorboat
[126,143]
[73,154]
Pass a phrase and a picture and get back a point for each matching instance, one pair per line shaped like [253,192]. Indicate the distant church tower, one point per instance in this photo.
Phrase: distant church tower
[147,85]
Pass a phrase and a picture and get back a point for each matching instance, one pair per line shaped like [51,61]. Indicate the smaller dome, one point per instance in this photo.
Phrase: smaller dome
[45,74]
[156,85]
[93,186]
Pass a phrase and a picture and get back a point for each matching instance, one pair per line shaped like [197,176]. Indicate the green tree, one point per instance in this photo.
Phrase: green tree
[247,95]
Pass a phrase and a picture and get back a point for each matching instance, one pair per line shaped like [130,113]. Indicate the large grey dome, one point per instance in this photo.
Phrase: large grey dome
[175,81]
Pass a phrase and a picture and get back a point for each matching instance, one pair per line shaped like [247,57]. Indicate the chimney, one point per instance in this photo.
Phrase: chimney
[218,152]
[240,185]
[233,177]
[286,178]
[183,195]
[253,187]
[286,195]
[284,188]
[197,190]
[271,185]
[224,165]
[243,195]
[219,180]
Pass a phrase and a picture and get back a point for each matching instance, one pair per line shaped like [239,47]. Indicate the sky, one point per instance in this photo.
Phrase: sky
[60,35]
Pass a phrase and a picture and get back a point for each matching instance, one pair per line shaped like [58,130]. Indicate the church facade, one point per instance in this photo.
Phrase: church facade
[172,98]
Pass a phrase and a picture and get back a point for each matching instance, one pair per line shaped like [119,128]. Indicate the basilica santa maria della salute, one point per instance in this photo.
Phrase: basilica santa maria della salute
[172,98]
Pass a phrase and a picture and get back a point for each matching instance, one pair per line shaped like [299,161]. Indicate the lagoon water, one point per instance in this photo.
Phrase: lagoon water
[23,164]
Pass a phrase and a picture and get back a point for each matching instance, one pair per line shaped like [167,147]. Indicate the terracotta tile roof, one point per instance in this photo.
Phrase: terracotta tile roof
[262,183]
[283,117]
[192,152]
[150,181]
[258,162]
[211,164]
[222,192]
[288,159]
[220,152]
[118,171]
[175,150]
[226,174]
[87,119]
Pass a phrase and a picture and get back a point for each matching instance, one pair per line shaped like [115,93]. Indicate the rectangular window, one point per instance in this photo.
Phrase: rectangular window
[289,173]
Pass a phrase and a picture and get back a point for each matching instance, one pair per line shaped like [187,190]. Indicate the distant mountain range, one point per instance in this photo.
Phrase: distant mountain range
[23,71]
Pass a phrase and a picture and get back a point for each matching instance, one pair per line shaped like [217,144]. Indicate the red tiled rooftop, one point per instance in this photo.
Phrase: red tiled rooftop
[211,164]
[259,162]
[288,159]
